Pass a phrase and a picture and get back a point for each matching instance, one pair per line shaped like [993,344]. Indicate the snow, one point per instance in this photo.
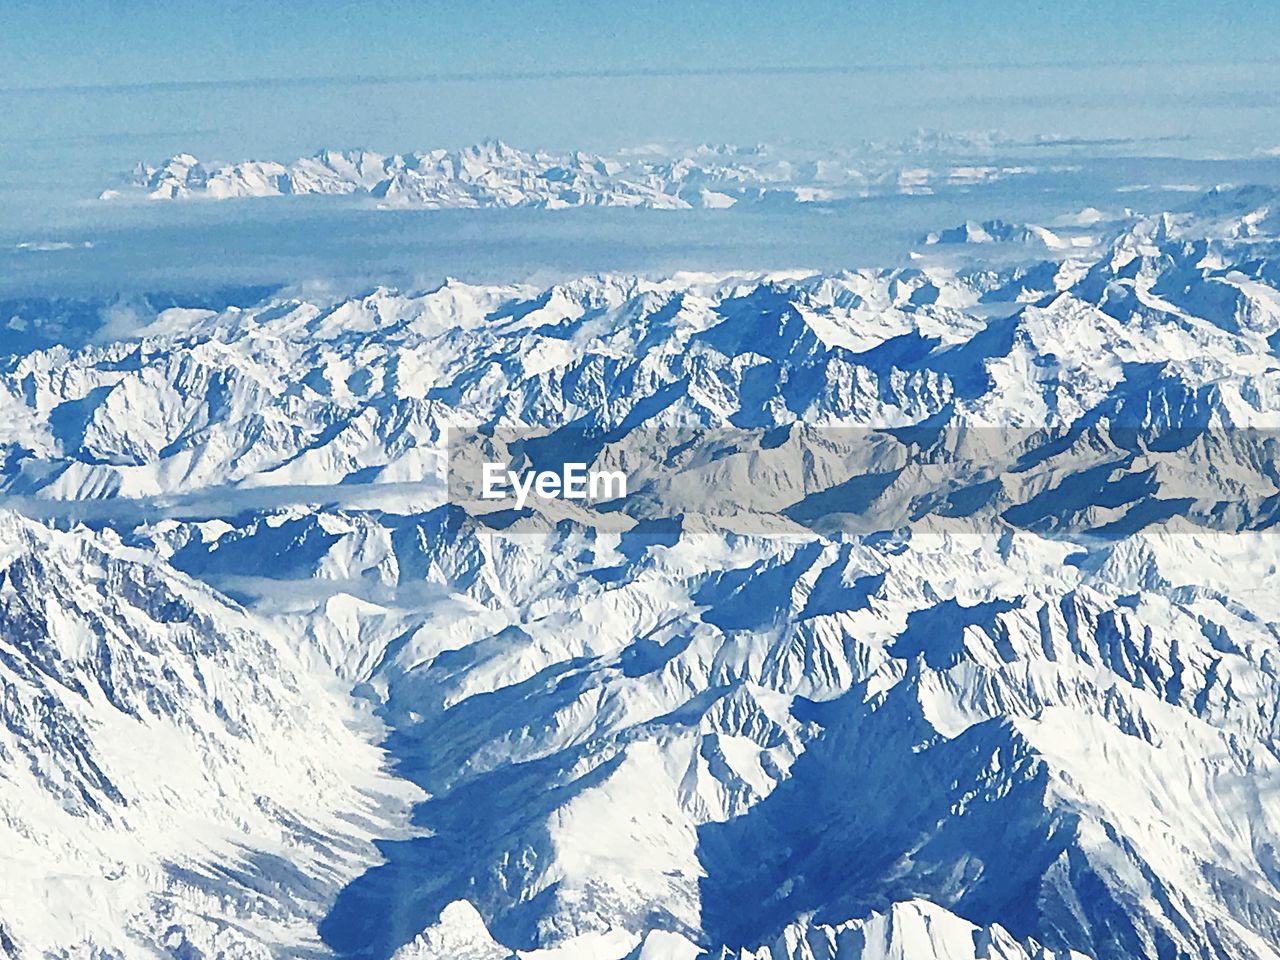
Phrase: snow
[1013,700]
[494,174]
[459,934]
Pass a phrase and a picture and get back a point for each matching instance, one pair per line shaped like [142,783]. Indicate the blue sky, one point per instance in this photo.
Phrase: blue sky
[89,88]
[58,42]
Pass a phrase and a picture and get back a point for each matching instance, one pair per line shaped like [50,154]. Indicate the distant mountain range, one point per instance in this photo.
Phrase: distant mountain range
[494,174]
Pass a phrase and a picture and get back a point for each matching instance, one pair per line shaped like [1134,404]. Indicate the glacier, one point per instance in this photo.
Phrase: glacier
[271,690]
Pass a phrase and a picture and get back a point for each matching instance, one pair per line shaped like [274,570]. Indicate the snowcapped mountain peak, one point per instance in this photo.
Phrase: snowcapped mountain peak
[937,621]
[914,929]
[493,173]
[154,727]
[459,934]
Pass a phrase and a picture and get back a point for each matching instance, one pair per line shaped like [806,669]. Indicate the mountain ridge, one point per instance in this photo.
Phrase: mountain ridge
[1045,731]
[494,174]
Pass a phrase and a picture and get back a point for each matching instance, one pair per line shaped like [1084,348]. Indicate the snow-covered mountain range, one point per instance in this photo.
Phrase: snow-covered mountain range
[494,174]
[1034,716]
